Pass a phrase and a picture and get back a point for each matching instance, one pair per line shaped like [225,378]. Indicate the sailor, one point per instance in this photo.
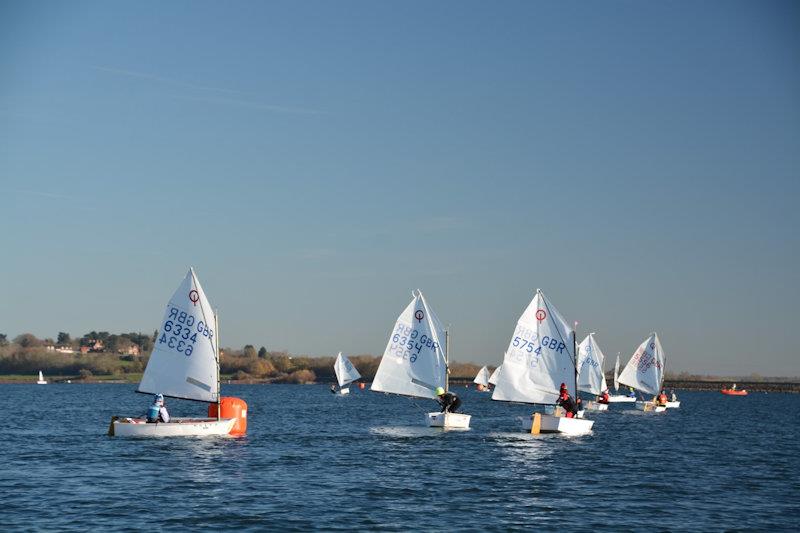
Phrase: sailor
[562,389]
[603,397]
[158,411]
[447,400]
[579,404]
[673,398]
[662,399]
[733,387]
[333,389]
[565,401]
[631,393]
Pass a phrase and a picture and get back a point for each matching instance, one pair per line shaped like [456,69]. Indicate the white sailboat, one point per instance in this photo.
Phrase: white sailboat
[541,356]
[482,380]
[493,378]
[184,364]
[415,360]
[645,372]
[591,378]
[41,381]
[619,398]
[346,373]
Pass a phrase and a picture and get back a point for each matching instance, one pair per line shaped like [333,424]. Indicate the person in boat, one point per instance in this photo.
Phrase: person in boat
[579,404]
[661,399]
[158,411]
[333,389]
[631,393]
[566,401]
[447,400]
[603,397]
[733,387]
[673,397]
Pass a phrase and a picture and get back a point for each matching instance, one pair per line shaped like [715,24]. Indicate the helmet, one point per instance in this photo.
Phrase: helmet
[159,399]
[439,391]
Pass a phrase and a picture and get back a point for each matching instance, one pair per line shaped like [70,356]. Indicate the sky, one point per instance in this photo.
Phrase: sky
[317,161]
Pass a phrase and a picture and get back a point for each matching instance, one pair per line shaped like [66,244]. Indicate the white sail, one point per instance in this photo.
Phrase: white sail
[539,358]
[345,371]
[482,378]
[493,378]
[183,363]
[590,367]
[645,370]
[41,377]
[413,363]
[616,374]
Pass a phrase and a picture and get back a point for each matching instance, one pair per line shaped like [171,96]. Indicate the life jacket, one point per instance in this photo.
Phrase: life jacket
[152,413]
[662,399]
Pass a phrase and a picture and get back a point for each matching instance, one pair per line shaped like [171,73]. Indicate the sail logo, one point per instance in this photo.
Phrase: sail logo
[419,315]
[194,297]
[541,314]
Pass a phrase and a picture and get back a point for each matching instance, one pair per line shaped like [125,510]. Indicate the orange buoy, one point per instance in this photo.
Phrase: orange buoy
[232,408]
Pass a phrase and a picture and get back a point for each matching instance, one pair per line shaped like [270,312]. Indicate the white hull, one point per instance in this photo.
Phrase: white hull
[344,391]
[41,383]
[176,427]
[673,405]
[596,406]
[650,407]
[618,398]
[560,424]
[448,420]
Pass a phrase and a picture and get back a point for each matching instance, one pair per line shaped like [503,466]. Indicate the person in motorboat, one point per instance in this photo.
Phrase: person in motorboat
[603,397]
[448,401]
[565,401]
[733,387]
[661,399]
[158,411]
[673,397]
[631,393]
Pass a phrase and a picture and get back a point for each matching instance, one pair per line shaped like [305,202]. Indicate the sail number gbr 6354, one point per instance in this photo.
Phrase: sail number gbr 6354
[406,343]
[180,331]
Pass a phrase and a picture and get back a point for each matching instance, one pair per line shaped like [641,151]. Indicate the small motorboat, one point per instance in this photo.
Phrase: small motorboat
[734,392]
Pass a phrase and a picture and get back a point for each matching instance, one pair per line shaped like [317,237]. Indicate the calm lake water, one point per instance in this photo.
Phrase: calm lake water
[315,461]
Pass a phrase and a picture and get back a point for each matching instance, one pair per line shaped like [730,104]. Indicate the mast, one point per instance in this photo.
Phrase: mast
[575,359]
[219,396]
[447,359]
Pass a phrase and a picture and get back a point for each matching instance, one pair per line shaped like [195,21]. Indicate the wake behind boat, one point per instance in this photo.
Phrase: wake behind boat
[415,362]
[185,364]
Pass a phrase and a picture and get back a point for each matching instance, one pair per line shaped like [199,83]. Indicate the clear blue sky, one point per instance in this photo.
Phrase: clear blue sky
[316,161]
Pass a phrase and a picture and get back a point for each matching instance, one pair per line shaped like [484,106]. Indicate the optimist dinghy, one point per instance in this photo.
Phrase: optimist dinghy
[591,378]
[645,372]
[495,374]
[185,364]
[619,398]
[41,381]
[541,356]
[482,380]
[415,361]
[346,373]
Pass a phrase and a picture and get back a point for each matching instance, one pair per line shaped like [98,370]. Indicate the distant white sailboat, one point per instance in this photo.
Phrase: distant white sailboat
[415,361]
[619,398]
[541,356]
[493,378]
[645,372]
[482,379]
[591,378]
[41,381]
[185,364]
[346,373]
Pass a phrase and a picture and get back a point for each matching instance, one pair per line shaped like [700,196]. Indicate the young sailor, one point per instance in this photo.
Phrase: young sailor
[158,411]
[603,397]
[661,399]
[631,393]
[447,400]
[673,398]
[565,401]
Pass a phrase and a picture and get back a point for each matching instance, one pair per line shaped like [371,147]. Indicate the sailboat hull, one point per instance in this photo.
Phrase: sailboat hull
[448,420]
[618,398]
[596,406]
[650,407]
[176,427]
[560,424]
[344,391]
[673,405]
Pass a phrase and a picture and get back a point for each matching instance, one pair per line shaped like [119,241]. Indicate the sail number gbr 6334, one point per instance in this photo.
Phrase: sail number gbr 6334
[180,331]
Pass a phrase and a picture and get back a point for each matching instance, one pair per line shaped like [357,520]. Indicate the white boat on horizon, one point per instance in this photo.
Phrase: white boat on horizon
[345,372]
[41,381]
[482,380]
[645,372]
[415,362]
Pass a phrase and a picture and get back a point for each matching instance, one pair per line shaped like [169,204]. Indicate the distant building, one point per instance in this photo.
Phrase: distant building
[132,349]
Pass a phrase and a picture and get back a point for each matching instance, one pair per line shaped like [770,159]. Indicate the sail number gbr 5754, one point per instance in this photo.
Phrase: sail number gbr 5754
[180,331]
[406,343]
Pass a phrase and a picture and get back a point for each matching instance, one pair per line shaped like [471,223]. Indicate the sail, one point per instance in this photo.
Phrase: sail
[345,371]
[413,363]
[183,363]
[590,367]
[41,377]
[493,378]
[539,358]
[616,374]
[645,370]
[482,378]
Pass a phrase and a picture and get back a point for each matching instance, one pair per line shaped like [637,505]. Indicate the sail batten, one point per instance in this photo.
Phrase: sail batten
[183,363]
[540,356]
[413,363]
[345,371]
[645,369]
